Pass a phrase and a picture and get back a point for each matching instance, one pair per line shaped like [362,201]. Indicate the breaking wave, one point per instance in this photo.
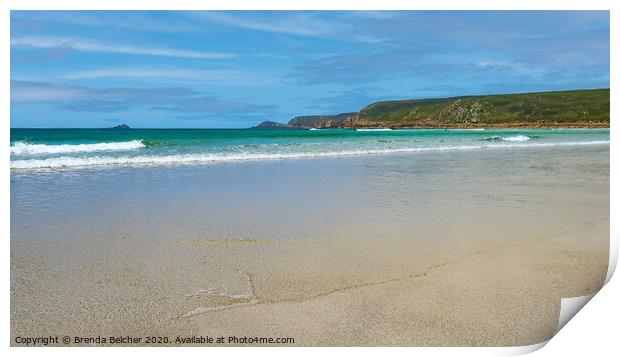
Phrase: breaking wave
[516,138]
[22,148]
[69,162]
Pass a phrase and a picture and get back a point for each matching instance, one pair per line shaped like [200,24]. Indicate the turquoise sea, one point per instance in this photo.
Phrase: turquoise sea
[35,149]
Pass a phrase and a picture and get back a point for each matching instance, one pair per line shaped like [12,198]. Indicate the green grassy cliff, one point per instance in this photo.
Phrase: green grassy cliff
[578,108]
[321,121]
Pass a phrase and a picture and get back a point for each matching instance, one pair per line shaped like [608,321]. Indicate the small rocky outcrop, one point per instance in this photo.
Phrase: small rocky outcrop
[121,126]
[272,125]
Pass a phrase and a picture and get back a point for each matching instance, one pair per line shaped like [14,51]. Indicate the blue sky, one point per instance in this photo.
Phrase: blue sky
[230,69]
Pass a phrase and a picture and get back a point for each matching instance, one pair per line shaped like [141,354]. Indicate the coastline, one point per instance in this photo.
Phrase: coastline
[588,125]
[579,125]
[577,108]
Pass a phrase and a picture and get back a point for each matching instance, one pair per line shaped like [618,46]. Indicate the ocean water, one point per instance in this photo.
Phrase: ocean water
[37,149]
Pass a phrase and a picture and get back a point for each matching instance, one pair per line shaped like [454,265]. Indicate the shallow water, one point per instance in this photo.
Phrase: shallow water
[396,195]
[35,149]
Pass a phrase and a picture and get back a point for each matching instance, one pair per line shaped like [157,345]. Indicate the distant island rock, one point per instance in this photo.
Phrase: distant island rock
[121,126]
[273,125]
[576,108]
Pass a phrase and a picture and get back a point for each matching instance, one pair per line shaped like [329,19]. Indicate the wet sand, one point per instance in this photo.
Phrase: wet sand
[438,249]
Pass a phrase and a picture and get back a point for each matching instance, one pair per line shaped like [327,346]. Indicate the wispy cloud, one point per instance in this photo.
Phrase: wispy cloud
[347,26]
[86,45]
[376,14]
[33,92]
[415,65]
[510,66]
[85,99]
[209,104]
[130,20]
[100,106]
[292,23]
[351,100]
[351,68]
[220,77]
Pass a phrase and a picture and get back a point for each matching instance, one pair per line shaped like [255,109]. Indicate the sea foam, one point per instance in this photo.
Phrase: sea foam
[517,138]
[69,162]
[22,148]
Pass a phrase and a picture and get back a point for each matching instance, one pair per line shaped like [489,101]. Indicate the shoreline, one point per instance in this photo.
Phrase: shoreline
[405,251]
[213,159]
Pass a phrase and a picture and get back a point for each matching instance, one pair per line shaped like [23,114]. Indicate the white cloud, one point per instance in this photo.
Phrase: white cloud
[517,67]
[24,92]
[220,77]
[300,24]
[85,45]
[131,20]
[292,23]
[30,91]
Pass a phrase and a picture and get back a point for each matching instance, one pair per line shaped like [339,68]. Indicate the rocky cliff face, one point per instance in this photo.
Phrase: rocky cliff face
[323,121]
[580,108]
[472,112]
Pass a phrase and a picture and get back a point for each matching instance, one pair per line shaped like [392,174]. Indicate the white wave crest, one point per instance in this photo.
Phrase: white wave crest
[21,148]
[471,129]
[377,129]
[70,162]
[517,138]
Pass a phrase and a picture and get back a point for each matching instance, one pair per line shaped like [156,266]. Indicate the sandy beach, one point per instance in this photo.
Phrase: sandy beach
[432,249]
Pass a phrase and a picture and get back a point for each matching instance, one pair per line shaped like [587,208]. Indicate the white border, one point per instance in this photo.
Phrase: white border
[589,331]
